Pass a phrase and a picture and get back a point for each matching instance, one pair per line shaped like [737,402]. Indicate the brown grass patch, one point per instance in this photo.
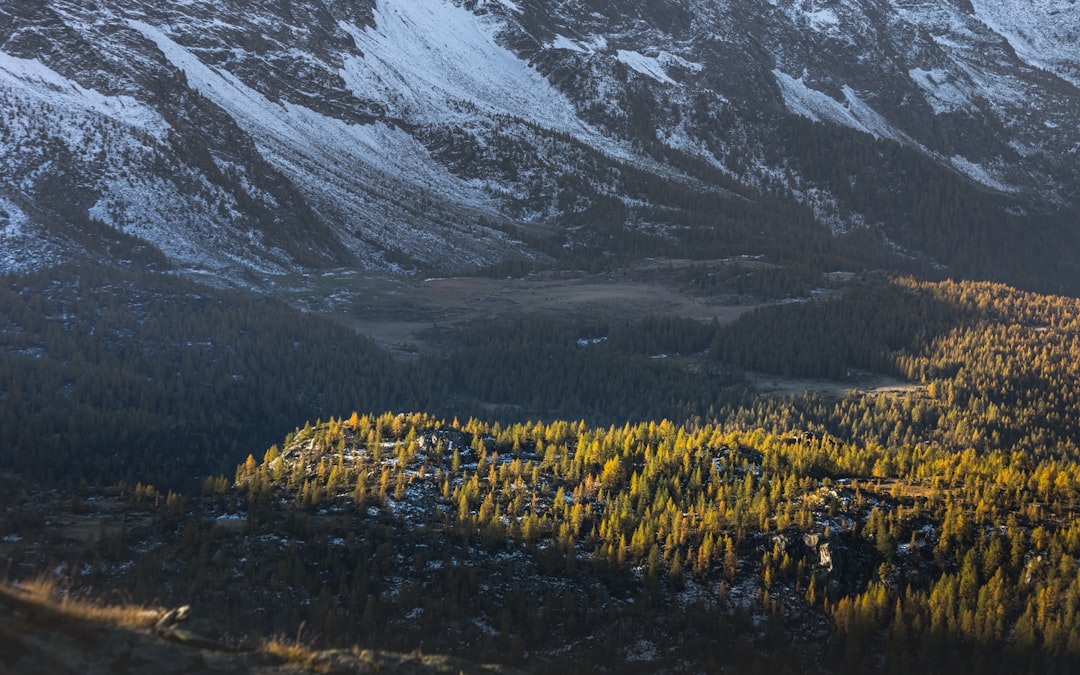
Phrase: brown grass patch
[44,594]
[290,652]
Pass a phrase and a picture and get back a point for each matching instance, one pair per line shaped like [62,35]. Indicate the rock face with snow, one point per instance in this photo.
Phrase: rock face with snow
[251,138]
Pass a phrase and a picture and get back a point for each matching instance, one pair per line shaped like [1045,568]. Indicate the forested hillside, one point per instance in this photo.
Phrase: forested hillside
[642,547]
[930,526]
[108,372]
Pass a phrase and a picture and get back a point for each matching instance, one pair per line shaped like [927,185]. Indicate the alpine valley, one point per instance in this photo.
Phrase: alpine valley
[719,335]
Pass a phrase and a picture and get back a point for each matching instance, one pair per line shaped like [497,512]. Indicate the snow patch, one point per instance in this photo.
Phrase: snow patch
[585,342]
[1044,33]
[810,103]
[649,66]
[595,44]
[563,42]
[668,60]
[872,121]
[429,57]
[642,651]
[979,174]
[822,19]
[508,4]
[940,90]
[13,225]
[852,112]
[819,16]
[50,88]
[485,627]
[827,211]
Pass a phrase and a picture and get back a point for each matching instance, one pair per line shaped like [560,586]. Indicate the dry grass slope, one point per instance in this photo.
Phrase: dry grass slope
[45,630]
[44,596]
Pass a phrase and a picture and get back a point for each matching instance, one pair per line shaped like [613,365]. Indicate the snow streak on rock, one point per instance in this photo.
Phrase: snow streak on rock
[1045,33]
[33,78]
[942,93]
[110,141]
[346,170]
[433,61]
[646,65]
[851,112]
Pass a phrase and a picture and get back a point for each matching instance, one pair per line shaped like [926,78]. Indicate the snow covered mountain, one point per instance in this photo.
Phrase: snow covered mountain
[243,138]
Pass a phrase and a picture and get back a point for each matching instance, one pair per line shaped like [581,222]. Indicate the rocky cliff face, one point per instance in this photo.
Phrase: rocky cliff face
[242,138]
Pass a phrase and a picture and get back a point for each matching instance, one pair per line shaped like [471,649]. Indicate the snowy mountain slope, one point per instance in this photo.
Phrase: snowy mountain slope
[341,167]
[820,107]
[347,172]
[24,244]
[250,138]
[1044,33]
[935,71]
[433,62]
[933,75]
[108,145]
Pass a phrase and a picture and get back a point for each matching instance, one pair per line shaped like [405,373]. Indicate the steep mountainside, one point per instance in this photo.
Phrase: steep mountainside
[246,139]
